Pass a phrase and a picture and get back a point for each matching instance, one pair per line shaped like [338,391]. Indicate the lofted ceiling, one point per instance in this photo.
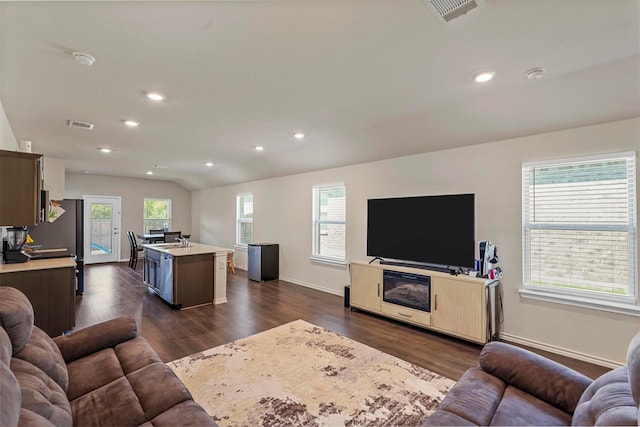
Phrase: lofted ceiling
[364,80]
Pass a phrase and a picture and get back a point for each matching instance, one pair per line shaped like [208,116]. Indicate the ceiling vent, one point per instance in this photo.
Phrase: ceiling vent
[77,124]
[446,10]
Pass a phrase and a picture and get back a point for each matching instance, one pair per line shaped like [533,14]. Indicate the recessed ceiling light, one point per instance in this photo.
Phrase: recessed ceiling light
[259,147]
[149,172]
[534,73]
[105,150]
[132,123]
[84,58]
[298,135]
[209,164]
[484,76]
[159,166]
[154,96]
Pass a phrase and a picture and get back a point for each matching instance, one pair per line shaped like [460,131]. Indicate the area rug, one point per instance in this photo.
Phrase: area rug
[299,374]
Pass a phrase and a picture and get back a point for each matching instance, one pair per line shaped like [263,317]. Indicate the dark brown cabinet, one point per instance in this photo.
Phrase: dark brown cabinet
[20,188]
[51,293]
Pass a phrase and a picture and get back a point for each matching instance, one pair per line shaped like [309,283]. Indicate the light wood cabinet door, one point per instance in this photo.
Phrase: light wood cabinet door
[458,308]
[366,287]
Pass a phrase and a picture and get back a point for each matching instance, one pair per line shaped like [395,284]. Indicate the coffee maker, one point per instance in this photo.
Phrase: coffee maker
[13,245]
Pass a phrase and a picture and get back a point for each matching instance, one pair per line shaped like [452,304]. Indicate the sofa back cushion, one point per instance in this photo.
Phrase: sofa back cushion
[633,365]
[613,398]
[42,352]
[16,316]
[43,400]
[10,397]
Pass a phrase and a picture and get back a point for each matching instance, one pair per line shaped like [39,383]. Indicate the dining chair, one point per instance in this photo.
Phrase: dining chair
[230,265]
[134,249]
[170,236]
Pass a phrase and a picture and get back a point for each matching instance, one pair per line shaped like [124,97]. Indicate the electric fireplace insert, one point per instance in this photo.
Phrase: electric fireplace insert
[409,290]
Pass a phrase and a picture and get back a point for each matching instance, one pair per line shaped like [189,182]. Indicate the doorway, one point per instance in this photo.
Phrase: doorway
[102,229]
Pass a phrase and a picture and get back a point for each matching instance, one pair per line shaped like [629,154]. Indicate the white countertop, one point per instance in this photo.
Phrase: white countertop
[38,264]
[193,249]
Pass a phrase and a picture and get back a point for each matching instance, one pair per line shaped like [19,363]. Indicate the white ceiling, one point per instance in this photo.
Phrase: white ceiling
[364,80]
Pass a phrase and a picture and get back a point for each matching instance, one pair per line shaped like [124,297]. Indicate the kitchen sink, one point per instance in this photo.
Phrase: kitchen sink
[172,245]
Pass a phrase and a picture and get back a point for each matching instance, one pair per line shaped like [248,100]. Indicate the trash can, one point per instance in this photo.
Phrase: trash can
[263,261]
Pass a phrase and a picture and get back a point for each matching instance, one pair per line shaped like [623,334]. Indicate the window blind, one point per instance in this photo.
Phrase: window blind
[244,226]
[329,224]
[579,225]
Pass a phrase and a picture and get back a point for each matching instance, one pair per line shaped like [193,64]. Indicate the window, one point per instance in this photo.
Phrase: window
[329,225]
[579,228]
[244,219]
[157,214]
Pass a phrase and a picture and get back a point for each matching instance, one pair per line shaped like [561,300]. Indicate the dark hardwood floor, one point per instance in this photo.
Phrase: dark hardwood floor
[112,290]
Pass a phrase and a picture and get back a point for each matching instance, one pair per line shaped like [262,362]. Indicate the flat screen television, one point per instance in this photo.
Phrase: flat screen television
[432,230]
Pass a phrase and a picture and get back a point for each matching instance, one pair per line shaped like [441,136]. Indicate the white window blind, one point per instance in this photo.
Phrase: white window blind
[579,227]
[329,222]
[244,219]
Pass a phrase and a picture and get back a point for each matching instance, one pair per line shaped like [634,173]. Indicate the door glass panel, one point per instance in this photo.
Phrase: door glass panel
[101,228]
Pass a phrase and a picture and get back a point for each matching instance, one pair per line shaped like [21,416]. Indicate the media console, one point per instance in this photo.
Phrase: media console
[461,305]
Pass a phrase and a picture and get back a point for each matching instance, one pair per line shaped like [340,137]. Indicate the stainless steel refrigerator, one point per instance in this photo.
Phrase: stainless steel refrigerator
[66,232]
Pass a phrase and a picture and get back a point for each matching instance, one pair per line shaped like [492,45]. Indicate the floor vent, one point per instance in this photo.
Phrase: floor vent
[77,124]
[446,10]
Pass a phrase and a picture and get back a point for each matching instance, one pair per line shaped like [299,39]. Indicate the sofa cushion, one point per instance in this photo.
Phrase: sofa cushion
[633,368]
[140,396]
[43,353]
[10,397]
[482,399]
[16,316]
[518,408]
[98,369]
[607,401]
[41,396]
[474,399]
[187,413]
[556,384]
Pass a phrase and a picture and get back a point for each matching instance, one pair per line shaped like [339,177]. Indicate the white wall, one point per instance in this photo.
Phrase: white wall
[282,211]
[133,192]
[7,138]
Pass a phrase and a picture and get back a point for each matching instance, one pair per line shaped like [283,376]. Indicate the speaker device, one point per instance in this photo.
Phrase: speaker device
[347,299]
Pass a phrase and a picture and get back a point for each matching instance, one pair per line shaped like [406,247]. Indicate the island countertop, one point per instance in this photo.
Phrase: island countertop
[192,249]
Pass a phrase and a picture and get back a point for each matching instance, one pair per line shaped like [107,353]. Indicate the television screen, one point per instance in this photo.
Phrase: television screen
[428,229]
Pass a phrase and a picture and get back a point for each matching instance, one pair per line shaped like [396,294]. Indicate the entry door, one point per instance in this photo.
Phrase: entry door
[102,229]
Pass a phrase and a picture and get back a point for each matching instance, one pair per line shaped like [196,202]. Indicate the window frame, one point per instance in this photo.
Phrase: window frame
[626,304]
[239,220]
[317,223]
[169,209]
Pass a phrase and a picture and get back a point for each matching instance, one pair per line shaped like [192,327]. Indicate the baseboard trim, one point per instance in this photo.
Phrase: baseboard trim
[312,286]
[561,351]
[219,301]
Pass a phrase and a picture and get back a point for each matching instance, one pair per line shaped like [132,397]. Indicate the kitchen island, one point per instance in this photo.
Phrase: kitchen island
[186,276]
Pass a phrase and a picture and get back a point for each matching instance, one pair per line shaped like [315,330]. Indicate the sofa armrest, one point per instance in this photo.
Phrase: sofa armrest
[97,337]
[543,378]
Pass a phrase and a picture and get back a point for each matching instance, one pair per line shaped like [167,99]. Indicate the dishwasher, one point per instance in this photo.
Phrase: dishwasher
[165,285]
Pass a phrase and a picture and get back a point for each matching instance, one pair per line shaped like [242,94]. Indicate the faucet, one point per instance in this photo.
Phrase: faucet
[184,243]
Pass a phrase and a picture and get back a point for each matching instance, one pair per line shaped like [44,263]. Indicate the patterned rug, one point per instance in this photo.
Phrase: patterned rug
[302,374]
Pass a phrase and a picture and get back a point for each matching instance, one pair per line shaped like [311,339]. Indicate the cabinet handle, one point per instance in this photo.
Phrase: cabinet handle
[405,314]
[378,290]
[435,302]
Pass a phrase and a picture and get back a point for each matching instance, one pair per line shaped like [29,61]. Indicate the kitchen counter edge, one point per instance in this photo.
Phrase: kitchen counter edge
[193,249]
[38,264]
